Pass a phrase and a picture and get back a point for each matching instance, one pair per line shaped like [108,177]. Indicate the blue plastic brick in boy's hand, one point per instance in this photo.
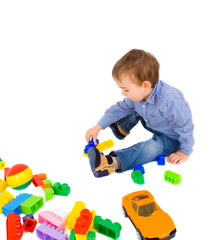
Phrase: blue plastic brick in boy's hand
[90,144]
[161,109]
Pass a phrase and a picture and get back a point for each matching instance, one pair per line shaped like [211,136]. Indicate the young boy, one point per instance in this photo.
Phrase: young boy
[160,108]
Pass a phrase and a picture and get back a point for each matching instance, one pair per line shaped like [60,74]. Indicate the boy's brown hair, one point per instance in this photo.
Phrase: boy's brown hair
[140,65]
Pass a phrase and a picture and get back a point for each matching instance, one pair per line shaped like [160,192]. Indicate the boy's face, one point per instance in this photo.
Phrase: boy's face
[133,91]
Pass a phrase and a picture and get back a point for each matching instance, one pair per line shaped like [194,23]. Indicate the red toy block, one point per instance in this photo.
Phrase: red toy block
[29,224]
[83,222]
[37,181]
[14,227]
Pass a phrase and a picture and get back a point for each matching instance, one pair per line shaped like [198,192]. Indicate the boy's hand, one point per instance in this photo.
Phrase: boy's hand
[177,158]
[93,133]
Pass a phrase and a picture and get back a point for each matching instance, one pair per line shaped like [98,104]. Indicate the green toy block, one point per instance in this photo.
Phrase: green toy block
[32,205]
[49,193]
[172,177]
[47,182]
[137,177]
[61,189]
[107,228]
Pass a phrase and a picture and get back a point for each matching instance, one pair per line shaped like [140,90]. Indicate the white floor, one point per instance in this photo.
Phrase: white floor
[55,83]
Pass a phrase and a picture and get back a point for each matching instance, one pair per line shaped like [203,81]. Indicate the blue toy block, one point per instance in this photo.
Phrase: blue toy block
[28,215]
[15,204]
[139,167]
[90,144]
[161,160]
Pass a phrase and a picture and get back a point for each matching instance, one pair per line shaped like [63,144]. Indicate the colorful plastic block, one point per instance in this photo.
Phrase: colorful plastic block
[137,177]
[45,232]
[29,224]
[15,204]
[14,227]
[90,144]
[3,185]
[107,228]
[47,182]
[83,222]
[161,160]
[74,214]
[100,146]
[105,145]
[172,177]
[32,205]
[2,164]
[49,193]
[37,181]
[52,219]
[139,167]
[5,198]
[28,215]
[61,189]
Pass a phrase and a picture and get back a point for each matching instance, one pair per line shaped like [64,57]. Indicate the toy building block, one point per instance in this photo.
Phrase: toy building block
[37,181]
[5,198]
[3,185]
[74,214]
[161,160]
[28,215]
[137,177]
[89,145]
[83,222]
[32,205]
[15,204]
[2,164]
[14,227]
[105,145]
[61,189]
[49,193]
[172,177]
[139,167]
[100,146]
[51,218]
[45,231]
[29,224]
[107,228]
[47,182]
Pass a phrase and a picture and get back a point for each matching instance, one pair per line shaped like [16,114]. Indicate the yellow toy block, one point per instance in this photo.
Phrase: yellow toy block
[105,145]
[3,185]
[5,197]
[80,237]
[74,214]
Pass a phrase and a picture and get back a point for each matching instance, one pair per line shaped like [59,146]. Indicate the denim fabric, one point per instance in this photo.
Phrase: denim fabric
[147,151]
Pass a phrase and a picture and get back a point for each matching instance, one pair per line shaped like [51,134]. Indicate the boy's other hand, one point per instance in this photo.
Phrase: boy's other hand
[93,133]
[177,158]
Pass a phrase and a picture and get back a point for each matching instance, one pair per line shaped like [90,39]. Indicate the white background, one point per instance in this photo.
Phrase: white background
[56,59]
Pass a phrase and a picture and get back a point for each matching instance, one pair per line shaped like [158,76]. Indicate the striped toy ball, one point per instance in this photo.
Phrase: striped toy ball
[19,176]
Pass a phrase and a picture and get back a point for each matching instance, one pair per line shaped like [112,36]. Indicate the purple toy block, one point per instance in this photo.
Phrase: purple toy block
[45,231]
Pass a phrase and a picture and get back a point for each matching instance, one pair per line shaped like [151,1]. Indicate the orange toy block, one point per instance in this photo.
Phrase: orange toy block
[14,227]
[83,222]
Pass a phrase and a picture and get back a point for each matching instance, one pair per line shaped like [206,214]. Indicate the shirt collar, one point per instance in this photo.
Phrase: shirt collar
[151,98]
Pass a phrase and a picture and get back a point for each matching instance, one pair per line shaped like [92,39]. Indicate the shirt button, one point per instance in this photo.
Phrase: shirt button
[143,106]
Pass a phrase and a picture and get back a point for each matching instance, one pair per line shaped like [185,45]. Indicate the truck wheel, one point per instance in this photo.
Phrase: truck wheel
[91,236]
[124,212]
[140,237]
[72,235]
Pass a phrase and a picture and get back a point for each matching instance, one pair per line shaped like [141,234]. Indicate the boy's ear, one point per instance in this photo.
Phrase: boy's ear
[147,84]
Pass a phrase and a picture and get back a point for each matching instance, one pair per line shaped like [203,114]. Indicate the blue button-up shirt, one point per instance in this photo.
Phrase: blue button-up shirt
[165,111]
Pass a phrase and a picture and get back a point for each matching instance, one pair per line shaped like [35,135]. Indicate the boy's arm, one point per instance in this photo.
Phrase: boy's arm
[116,112]
[179,115]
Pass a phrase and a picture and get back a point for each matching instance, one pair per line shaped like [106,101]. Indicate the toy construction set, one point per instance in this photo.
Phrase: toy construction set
[149,220]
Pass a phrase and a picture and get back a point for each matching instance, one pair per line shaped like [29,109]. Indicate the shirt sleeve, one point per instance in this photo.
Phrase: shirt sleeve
[178,114]
[116,112]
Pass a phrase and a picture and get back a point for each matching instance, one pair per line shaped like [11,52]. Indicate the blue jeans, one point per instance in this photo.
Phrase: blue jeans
[147,151]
